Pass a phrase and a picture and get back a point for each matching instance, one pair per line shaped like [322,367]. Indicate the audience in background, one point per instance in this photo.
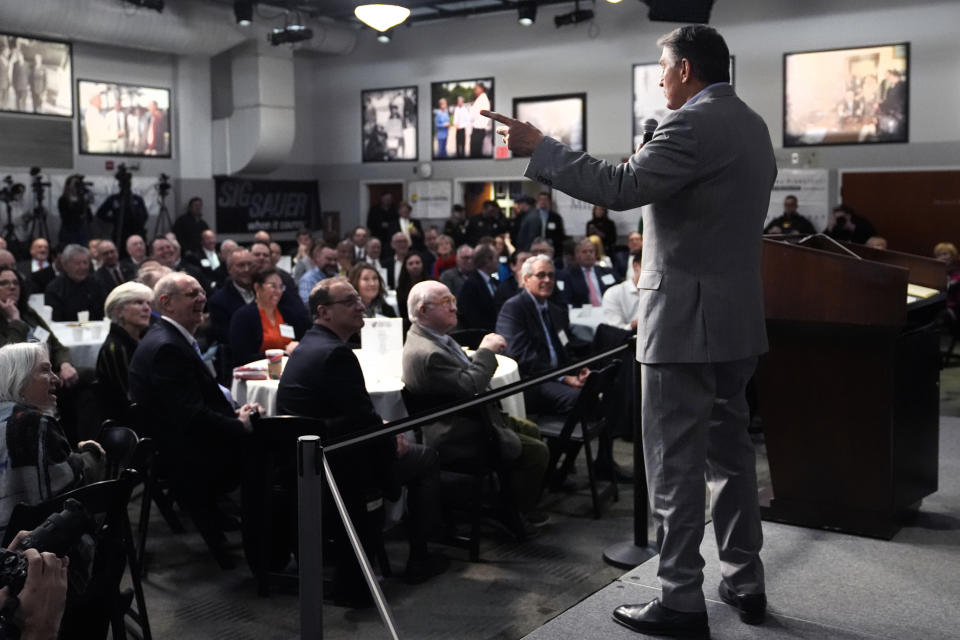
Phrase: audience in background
[585,282]
[260,325]
[344,256]
[136,251]
[476,307]
[365,278]
[456,226]
[541,222]
[791,222]
[847,226]
[454,278]
[235,292]
[112,273]
[490,223]
[620,302]
[190,226]
[374,253]
[410,227]
[602,226]
[393,263]
[446,256]
[75,289]
[877,242]
[411,273]
[382,219]
[325,263]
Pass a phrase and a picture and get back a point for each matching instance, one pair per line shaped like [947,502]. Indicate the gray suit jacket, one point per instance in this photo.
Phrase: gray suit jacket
[707,172]
[434,373]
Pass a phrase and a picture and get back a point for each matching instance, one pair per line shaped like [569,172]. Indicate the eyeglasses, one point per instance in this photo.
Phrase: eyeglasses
[276,287]
[9,283]
[193,293]
[543,275]
[444,300]
[351,301]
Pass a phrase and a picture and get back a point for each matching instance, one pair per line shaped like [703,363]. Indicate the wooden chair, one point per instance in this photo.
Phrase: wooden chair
[566,435]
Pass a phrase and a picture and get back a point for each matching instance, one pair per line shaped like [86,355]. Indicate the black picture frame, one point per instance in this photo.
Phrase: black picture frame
[463,144]
[56,96]
[561,116]
[847,96]
[382,140]
[139,138]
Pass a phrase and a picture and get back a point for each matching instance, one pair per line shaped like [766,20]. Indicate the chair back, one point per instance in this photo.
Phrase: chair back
[598,381]
[120,445]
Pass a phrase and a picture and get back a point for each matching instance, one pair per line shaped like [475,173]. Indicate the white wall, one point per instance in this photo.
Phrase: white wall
[598,60]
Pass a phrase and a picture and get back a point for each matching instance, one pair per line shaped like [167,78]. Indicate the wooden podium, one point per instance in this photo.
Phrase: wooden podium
[849,391]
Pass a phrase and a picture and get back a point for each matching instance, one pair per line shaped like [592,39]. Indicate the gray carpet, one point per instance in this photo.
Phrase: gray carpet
[823,584]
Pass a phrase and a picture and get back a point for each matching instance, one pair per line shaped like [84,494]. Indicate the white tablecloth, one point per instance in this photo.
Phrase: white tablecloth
[585,320]
[385,391]
[83,340]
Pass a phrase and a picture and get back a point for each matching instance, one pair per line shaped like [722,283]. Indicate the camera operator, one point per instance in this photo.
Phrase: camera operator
[42,599]
[125,210]
[847,226]
[74,207]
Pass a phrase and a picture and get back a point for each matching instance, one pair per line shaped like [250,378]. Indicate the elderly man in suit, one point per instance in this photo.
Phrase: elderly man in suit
[436,368]
[112,273]
[476,305]
[323,380]
[707,173]
[200,435]
[587,282]
[75,289]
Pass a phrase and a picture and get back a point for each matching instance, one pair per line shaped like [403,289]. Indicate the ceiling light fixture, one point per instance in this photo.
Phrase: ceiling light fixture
[614,1]
[243,12]
[384,37]
[381,17]
[526,12]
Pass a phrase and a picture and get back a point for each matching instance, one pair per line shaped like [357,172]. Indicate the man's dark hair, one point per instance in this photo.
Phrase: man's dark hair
[321,293]
[192,200]
[261,276]
[704,49]
[459,208]
[484,255]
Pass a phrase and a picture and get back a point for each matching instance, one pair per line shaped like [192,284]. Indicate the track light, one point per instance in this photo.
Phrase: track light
[526,12]
[574,17]
[156,5]
[243,12]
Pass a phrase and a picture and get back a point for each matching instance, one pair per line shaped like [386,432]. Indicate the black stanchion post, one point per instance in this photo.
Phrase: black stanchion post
[631,553]
[310,485]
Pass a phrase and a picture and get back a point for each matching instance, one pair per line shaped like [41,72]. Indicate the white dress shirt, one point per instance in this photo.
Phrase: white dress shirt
[620,304]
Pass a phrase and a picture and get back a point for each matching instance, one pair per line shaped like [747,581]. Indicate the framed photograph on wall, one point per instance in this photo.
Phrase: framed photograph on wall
[458,131]
[36,76]
[648,100]
[562,117]
[389,124]
[123,119]
[857,95]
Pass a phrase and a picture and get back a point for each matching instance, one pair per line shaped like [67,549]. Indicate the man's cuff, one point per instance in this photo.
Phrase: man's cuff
[539,167]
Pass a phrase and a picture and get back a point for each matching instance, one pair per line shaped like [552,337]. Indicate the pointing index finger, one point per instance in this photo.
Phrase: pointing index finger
[499,117]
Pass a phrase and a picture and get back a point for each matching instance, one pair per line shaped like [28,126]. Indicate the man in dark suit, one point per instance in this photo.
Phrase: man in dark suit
[542,222]
[476,307]
[323,380]
[39,258]
[436,368]
[707,172]
[382,219]
[235,292]
[75,289]
[393,261]
[509,287]
[586,282]
[489,224]
[188,228]
[200,436]
[112,272]
[537,332]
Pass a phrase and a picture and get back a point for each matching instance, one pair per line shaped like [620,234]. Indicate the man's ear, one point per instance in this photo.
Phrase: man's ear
[685,75]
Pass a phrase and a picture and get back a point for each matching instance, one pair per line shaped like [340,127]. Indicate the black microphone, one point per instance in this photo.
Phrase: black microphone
[649,126]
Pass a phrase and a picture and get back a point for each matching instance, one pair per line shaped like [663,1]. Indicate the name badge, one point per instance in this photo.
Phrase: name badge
[562,335]
[607,279]
[552,226]
[41,334]
[560,284]
[205,263]
[286,331]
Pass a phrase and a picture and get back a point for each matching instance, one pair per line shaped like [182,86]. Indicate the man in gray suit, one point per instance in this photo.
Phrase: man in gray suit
[437,370]
[707,173]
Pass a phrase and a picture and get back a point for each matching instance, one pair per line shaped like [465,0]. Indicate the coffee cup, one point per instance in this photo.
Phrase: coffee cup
[274,362]
[83,316]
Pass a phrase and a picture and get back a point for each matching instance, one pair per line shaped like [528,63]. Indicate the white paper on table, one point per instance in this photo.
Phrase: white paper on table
[382,339]
[36,302]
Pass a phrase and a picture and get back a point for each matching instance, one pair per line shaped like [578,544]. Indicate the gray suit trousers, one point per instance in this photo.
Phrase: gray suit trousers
[695,419]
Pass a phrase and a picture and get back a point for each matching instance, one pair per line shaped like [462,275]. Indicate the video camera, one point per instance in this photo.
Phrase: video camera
[81,187]
[38,182]
[163,185]
[11,190]
[58,534]
[123,177]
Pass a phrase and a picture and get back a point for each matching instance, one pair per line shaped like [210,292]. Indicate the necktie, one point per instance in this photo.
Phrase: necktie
[117,278]
[454,347]
[594,294]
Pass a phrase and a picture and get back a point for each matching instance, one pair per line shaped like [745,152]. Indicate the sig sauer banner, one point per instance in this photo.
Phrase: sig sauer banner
[246,206]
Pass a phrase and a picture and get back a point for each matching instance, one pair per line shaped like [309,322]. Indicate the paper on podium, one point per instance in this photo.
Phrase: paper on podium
[382,339]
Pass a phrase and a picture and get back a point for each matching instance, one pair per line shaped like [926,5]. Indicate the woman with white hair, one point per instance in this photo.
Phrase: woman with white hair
[34,453]
[128,307]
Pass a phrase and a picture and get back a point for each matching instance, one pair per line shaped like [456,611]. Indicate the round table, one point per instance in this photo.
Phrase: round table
[83,340]
[385,391]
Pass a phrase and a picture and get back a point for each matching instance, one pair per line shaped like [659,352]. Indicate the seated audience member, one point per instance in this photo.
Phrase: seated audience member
[291,305]
[586,282]
[276,252]
[603,260]
[8,260]
[235,292]
[456,226]
[602,226]
[490,222]
[92,245]
[477,308]
[537,332]
[220,274]
[877,242]
[38,280]
[620,302]
[136,252]
[365,278]
[344,256]
[164,251]
[75,289]
[393,263]
[504,250]
[301,257]
[112,273]
[946,253]
[359,237]
[325,263]
[509,287]
[847,226]
[540,222]
[260,325]
[128,307]
[411,274]
[446,258]
[454,278]
[623,261]
[36,456]
[199,435]
[208,259]
[435,367]
[39,257]
[323,380]
[263,236]
[374,249]
[791,222]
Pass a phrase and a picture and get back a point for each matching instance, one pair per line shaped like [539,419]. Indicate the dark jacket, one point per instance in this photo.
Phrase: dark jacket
[476,307]
[106,281]
[519,324]
[529,229]
[226,300]
[246,334]
[113,364]
[68,297]
[576,290]
[188,230]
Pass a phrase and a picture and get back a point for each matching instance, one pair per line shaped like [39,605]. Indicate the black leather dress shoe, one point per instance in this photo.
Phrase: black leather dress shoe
[653,618]
[752,606]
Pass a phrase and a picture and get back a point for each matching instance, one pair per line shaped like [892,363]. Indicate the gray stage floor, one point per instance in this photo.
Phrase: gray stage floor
[823,584]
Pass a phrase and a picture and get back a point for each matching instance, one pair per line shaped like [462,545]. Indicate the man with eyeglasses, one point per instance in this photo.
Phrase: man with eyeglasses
[323,379]
[199,434]
[538,337]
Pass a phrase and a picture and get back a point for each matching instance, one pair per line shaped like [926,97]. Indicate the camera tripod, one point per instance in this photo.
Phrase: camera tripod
[38,219]
[163,217]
